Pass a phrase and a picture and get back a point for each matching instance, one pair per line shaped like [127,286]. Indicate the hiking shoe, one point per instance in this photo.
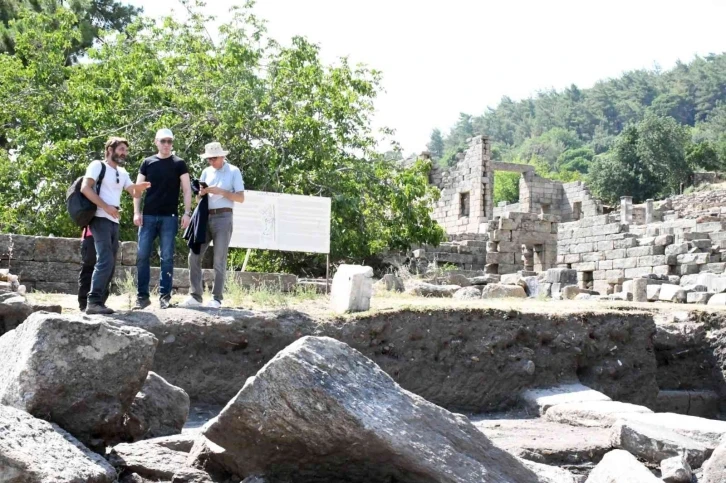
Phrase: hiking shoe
[93,309]
[141,304]
[165,303]
[190,303]
[214,304]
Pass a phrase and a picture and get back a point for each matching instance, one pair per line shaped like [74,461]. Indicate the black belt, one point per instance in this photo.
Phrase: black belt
[217,211]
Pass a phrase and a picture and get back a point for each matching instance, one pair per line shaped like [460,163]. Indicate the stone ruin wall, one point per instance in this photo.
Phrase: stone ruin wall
[642,241]
[51,264]
[522,241]
[466,201]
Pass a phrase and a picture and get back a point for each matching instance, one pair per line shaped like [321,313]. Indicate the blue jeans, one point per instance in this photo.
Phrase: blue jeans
[165,228]
[105,240]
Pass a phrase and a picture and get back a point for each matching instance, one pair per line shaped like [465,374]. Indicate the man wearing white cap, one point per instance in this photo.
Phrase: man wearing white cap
[224,187]
[160,216]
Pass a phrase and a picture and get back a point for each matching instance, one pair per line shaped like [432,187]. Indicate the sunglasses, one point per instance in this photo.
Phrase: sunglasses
[117,178]
[166,141]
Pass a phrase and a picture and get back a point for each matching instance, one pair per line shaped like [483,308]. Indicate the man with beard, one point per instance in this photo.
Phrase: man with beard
[104,225]
[168,174]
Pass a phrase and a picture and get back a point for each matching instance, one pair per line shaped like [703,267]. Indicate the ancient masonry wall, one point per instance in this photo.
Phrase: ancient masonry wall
[466,193]
[607,250]
[522,241]
[51,264]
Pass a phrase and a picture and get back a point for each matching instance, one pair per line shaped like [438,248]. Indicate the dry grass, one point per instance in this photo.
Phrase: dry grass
[318,305]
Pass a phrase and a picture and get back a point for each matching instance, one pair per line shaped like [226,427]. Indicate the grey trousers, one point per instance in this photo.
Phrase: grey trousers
[219,230]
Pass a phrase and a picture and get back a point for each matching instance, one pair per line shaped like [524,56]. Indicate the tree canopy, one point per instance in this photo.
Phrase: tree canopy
[291,123]
[572,133]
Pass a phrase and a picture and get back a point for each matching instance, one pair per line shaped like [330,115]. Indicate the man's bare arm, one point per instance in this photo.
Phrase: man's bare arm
[87,189]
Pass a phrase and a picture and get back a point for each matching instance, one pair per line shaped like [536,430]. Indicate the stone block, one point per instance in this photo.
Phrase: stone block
[602,287]
[676,249]
[698,297]
[672,293]
[585,266]
[495,290]
[645,251]
[509,247]
[651,260]
[663,240]
[563,276]
[128,253]
[713,267]
[718,299]
[638,272]
[688,269]
[662,270]
[625,243]
[621,466]
[639,288]
[703,403]
[64,250]
[352,289]
[581,248]
[499,258]
[572,258]
[605,245]
[597,274]
[502,235]
[605,265]
[593,257]
[506,224]
[614,254]
[653,292]
[623,263]
[17,247]
[699,258]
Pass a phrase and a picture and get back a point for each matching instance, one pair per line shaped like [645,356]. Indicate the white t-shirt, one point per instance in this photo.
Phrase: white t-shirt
[114,182]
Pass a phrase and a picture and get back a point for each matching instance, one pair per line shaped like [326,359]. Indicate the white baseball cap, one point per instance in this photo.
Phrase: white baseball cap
[164,134]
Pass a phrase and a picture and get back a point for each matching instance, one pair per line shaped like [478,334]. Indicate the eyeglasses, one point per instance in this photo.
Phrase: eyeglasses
[166,141]
[117,178]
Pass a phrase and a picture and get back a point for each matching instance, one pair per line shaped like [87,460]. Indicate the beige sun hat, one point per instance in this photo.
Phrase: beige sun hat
[213,150]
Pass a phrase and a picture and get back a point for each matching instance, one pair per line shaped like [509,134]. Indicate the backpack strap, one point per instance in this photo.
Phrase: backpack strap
[100,177]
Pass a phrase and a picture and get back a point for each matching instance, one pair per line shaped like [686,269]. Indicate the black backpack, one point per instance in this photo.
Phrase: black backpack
[81,209]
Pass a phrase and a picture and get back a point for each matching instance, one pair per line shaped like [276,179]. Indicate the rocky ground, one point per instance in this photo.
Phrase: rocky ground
[539,391]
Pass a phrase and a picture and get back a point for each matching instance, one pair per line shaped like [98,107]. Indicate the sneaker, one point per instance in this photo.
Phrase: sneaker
[93,309]
[191,302]
[141,304]
[214,304]
[164,303]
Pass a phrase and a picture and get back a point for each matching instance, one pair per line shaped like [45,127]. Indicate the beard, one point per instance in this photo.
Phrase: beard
[120,160]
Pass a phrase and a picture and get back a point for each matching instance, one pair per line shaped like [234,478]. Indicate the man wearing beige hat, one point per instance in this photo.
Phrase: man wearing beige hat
[223,185]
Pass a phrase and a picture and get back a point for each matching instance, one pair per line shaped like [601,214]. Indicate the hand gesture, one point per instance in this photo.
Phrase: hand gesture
[138,219]
[186,219]
[111,211]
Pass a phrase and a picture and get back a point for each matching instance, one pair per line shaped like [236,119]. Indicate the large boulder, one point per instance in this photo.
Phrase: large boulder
[423,289]
[468,293]
[497,290]
[147,459]
[390,283]
[714,471]
[159,409]
[676,470]
[619,466]
[320,409]
[655,443]
[35,451]
[707,431]
[592,413]
[541,399]
[14,309]
[77,372]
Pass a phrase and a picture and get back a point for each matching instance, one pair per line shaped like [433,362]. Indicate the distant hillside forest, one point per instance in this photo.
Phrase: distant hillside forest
[642,134]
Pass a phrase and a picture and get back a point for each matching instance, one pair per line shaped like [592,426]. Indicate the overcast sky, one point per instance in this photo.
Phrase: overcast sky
[440,58]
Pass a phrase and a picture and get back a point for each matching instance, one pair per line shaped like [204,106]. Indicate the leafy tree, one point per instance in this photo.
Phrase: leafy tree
[94,17]
[647,161]
[291,123]
[506,187]
[577,159]
[704,155]
[436,144]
